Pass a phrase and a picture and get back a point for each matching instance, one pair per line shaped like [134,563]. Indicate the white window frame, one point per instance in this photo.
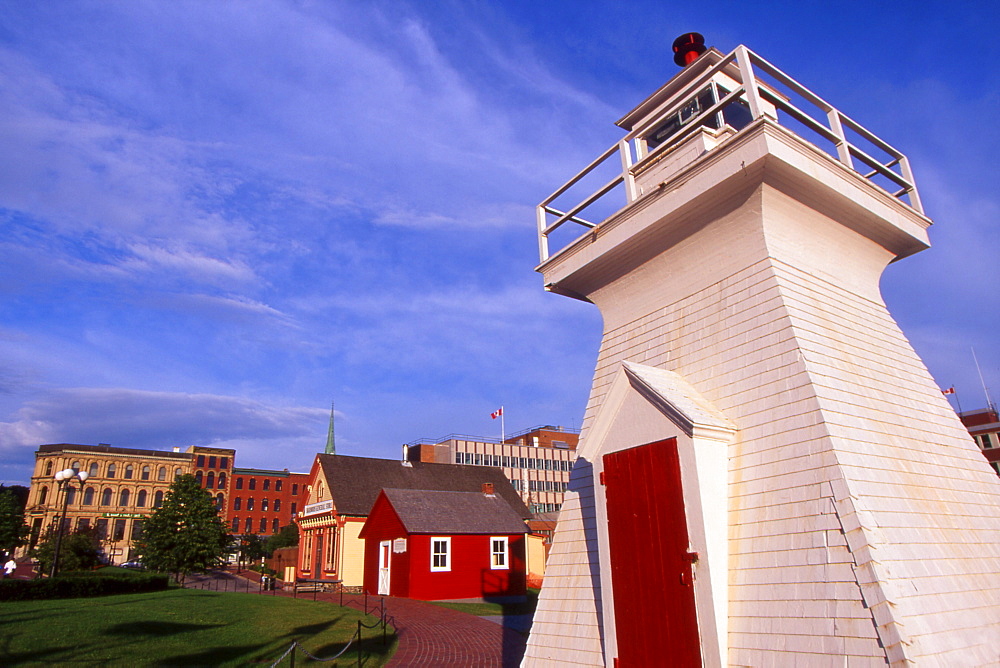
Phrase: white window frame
[503,563]
[446,553]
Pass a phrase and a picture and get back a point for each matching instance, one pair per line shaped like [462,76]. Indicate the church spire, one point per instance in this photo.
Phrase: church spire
[331,445]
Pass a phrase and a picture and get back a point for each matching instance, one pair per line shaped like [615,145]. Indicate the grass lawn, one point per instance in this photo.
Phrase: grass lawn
[181,627]
[483,609]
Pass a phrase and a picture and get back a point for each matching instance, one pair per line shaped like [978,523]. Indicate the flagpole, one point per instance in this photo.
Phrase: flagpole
[503,433]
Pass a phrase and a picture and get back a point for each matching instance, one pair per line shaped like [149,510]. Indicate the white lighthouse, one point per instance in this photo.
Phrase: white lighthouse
[767,475]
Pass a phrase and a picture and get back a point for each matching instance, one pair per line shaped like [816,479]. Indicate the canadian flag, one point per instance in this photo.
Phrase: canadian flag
[950,390]
[497,413]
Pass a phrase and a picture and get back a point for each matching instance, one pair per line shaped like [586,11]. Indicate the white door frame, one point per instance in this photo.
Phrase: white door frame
[384,567]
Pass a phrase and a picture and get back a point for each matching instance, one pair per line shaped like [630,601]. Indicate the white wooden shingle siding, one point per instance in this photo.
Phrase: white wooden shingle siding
[864,523]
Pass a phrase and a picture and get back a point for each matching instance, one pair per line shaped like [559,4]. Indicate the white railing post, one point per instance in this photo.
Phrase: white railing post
[749,81]
[843,152]
[625,149]
[543,239]
[904,167]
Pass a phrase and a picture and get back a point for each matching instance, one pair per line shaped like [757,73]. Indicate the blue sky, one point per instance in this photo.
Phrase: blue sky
[217,217]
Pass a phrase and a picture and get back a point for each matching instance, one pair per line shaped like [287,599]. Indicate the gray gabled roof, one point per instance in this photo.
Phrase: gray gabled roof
[430,512]
[354,482]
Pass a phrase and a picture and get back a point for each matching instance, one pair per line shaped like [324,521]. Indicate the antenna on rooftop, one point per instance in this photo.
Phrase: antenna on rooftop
[986,390]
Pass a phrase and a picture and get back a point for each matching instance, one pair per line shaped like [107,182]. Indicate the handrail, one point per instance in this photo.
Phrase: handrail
[741,64]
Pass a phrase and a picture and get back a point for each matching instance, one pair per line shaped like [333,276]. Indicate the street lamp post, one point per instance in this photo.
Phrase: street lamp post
[63,479]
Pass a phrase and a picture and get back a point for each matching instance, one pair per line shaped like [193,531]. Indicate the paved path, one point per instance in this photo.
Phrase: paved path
[429,635]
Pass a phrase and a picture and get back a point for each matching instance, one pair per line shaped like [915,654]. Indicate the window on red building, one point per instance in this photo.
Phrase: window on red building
[237,503]
[248,525]
[274,526]
[253,483]
[277,505]
[236,524]
[201,461]
[239,483]
[441,554]
[295,489]
[250,503]
[263,504]
[277,485]
[267,485]
[263,525]
[222,481]
[211,462]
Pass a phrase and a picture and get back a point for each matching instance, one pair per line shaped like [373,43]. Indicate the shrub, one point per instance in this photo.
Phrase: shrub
[81,585]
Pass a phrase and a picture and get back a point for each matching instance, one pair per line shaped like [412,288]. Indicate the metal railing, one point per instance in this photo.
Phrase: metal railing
[756,95]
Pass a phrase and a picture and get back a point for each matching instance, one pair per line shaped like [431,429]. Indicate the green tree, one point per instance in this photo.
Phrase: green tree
[13,531]
[78,551]
[184,535]
[287,537]
[249,549]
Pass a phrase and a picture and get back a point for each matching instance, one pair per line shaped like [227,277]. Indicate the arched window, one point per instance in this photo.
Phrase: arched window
[162,473]
[145,473]
[253,483]
[295,489]
[129,471]
[248,525]
[140,499]
[274,526]
[222,481]
[123,498]
[218,501]
[263,504]
[93,470]
[198,477]
[158,499]
[239,483]
[43,494]
[106,496]
[267,485]
[88,496]
[70,496]
[236,524]
[75,466]
[210,480]
[263,525]
[48,467]
[237,503]
[177,473]
[250,503]
[277,485]
[111,470]
[277,505]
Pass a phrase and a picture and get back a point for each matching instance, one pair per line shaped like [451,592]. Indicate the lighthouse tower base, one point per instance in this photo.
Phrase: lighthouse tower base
[837,512]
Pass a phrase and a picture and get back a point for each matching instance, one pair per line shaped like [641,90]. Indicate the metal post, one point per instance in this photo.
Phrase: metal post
[292,661]
[359,643]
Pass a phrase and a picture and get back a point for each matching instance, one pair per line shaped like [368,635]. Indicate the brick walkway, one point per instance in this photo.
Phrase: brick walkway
[429,635]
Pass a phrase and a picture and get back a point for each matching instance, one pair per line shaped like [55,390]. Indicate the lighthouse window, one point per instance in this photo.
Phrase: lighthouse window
[690,110]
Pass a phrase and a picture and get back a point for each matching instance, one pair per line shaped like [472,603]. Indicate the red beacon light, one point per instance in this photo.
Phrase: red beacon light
[687,48]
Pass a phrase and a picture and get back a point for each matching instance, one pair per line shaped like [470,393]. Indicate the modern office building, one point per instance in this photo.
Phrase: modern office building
[537,461]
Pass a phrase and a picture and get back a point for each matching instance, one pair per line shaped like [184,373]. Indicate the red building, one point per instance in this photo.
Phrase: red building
[984,426]
[434,545]
[262,501]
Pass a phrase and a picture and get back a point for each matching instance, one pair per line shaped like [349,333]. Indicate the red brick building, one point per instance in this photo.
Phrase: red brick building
[262,501]
[984,426]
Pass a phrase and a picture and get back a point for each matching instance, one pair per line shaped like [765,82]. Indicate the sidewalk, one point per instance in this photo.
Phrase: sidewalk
[429,635]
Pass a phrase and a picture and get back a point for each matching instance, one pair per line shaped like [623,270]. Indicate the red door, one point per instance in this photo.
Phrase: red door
[651,571]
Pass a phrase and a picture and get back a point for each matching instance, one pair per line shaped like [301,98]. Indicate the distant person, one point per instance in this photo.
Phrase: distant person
[9,568]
